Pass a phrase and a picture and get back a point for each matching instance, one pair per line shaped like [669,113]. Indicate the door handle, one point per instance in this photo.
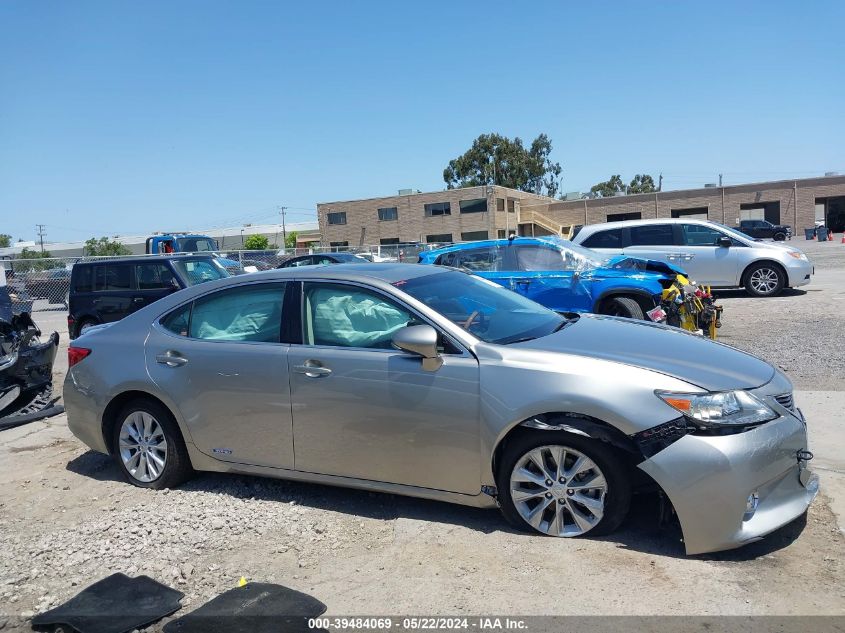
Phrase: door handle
[671,256]
[171,359]
[311,369]
[137,299]
[688,256]
[523,282]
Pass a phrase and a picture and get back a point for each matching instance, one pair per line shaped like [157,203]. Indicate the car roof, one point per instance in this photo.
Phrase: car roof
[143,258]
[589,229]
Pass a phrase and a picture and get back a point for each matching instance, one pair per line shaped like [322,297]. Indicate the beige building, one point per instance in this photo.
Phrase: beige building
[453,215]
[798,203]
[476,213]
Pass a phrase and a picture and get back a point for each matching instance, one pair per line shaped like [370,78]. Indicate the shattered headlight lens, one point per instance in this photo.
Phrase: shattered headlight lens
[735,408]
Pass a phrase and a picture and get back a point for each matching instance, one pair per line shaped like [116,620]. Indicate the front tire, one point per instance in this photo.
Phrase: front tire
[779,237]
[148,447]
[561,484]
[622,307]
[764,280]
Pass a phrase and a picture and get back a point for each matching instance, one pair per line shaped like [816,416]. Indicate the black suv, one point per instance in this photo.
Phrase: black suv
[107,290]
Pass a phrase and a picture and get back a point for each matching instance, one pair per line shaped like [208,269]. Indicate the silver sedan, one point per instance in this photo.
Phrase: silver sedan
[435,383]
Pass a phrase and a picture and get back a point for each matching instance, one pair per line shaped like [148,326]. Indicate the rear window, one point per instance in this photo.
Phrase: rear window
[652,235]
[612,238]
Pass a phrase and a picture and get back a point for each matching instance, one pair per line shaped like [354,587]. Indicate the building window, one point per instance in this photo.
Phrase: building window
[472,236]
[695,213]
[500,204]
[476,205]
[438,208]
[336,218]
[338,244]
[511,206]
[620,217]
[387,214]
[501,234]
[438,237]
[388,240]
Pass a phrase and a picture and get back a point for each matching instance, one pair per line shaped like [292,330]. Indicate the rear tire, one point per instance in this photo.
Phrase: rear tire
[764,280]
[83,325]
[611,501]
[148,446]
[622,307]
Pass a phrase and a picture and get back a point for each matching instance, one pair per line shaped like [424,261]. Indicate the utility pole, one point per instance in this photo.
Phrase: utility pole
[720,180]
[284,230]
[660,183]
[41,233]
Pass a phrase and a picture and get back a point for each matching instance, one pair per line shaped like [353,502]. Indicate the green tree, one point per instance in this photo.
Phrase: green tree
[256,243]
[609,187]
[290,239]
[36,260]
[5,240]
[494,159]
[104,246]
[642,183]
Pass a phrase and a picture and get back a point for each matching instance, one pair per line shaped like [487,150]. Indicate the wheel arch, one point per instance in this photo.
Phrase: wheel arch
[575,423]
[109,417]
[773,262]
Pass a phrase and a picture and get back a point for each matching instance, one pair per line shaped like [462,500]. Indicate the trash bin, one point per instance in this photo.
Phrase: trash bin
[821,233]
[809,233]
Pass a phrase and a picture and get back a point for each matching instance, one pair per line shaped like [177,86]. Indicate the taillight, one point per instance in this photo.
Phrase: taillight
[76,354]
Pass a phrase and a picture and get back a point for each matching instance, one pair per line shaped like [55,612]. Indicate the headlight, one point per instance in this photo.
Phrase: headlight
[798,255]
[736,408]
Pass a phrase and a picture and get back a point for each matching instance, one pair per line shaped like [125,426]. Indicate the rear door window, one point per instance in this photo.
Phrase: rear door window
[113,277]
[248,313]
[153,276]
[485,259]
[652,235]
[611,238]
[539,258]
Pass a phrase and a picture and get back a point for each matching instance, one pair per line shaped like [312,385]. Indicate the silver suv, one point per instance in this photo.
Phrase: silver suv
[711,254]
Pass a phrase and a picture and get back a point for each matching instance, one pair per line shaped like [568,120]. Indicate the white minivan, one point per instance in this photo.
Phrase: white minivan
[711,254]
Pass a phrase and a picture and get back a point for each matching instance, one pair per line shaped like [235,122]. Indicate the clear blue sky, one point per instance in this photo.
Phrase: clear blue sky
[126,117]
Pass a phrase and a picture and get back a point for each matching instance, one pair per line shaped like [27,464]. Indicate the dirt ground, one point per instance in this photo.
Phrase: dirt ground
[66,521]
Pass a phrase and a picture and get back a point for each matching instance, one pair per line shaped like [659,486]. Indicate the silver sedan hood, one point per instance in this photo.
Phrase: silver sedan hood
[688,357]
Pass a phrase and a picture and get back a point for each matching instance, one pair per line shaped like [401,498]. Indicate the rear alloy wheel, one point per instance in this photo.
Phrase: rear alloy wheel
[148,447]
[562,485]
[622,307]
[764,280]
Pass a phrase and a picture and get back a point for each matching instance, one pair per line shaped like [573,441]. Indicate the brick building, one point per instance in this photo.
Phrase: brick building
[453,215]
[798,203]
[484,212]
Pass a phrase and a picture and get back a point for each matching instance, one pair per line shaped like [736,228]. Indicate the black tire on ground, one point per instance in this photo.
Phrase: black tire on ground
[177,466]
[779,237]
[764,279]
[622,307]
[617,498]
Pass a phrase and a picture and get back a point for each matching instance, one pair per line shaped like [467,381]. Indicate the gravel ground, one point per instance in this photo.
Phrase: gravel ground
[66,520]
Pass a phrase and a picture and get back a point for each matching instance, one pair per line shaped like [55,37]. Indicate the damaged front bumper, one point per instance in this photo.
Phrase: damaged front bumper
[26,365]
[729,490]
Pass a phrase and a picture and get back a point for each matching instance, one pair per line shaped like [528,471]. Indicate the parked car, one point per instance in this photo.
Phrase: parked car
[764,229]
[431,382]
[561,275]
[106,290]
[52,285]
[323,258]
[712,254]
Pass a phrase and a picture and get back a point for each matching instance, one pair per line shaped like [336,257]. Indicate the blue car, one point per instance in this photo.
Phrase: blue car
[561,275]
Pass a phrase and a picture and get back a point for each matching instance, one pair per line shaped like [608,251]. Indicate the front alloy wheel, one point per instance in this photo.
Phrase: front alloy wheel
[558,490]
[764,280]
[562,485]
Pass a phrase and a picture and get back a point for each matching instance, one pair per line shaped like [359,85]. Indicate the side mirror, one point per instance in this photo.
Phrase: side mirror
[174,285]
[724,242]
[420,340]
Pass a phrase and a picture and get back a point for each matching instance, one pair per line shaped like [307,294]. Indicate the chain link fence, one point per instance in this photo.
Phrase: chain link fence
[44,283]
